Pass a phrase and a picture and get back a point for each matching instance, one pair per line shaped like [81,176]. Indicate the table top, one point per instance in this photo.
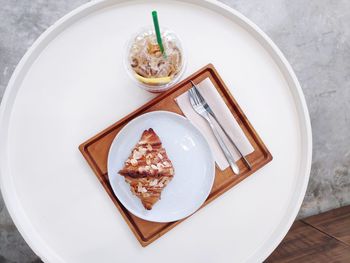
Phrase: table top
[71,84]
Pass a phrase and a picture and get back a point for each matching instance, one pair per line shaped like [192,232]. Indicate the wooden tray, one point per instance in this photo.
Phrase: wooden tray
[95,151]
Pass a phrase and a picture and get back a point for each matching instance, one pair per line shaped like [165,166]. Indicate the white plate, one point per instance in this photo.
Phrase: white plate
[190,154]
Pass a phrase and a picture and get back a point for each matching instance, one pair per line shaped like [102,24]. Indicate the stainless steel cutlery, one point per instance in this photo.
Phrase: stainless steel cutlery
[203,109]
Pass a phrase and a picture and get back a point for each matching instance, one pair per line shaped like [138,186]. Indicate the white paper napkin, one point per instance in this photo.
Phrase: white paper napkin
[225,117]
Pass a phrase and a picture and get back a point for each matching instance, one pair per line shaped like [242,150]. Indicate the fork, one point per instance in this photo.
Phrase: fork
[211,113]
[199,108]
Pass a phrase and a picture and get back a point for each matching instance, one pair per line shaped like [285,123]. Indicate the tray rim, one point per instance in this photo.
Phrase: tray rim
[19,217]
[143,109]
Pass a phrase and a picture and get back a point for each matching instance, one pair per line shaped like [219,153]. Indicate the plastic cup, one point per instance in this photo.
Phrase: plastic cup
[148,67]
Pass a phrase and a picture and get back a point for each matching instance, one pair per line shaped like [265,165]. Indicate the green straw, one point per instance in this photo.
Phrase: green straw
[156,27]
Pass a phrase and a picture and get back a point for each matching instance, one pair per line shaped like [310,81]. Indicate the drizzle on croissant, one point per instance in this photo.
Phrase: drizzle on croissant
[148,169]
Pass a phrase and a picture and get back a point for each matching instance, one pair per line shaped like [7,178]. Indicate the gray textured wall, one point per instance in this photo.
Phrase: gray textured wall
[314,35]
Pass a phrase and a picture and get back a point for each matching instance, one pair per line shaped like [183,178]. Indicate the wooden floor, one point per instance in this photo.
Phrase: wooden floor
[320,238]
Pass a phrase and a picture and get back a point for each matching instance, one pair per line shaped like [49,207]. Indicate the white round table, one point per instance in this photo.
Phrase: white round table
[71,84]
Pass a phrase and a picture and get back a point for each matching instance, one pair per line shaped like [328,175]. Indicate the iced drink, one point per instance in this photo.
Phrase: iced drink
[154,70]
